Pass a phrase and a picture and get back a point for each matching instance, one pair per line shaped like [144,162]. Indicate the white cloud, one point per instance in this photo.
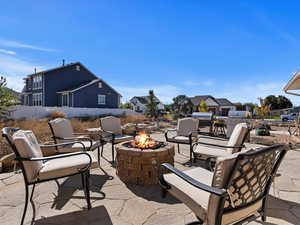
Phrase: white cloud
[9,52]
[251,92]
[206,83]
[14,69]
[164,92]
[15,44]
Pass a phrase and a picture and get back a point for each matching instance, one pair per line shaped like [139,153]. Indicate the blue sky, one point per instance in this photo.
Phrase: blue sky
[240,50]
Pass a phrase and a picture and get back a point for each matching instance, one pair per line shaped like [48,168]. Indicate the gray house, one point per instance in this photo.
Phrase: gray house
[71,85]
[218,106]
[139,103]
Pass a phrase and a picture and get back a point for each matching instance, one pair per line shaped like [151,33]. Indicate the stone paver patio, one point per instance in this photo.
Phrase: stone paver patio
[116,203]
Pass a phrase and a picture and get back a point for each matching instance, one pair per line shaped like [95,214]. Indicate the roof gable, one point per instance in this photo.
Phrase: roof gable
[224,102]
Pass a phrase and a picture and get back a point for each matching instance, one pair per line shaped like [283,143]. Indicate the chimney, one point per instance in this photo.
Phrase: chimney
[34,70]
[63,62]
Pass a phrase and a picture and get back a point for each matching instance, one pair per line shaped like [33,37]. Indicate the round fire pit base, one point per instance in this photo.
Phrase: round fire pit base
[136,166]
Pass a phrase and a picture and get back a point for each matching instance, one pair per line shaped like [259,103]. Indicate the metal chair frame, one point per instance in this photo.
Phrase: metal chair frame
[224,192]
[85,172]
[190,143]
[56,141]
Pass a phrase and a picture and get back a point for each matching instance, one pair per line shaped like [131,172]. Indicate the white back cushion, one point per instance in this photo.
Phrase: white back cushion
[237,137]
[186,126]
[62,128]
[112,124]
[27,146]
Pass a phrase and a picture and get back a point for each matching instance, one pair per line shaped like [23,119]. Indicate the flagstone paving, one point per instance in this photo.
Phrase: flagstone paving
[117,203]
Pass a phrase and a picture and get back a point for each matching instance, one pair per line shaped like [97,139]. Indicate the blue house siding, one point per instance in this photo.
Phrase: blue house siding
[74,79]
[64,79]
[88,97]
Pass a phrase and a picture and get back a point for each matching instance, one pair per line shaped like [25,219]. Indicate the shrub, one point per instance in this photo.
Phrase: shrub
[55,115]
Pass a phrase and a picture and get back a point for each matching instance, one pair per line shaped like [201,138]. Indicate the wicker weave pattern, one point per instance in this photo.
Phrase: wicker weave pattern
[250,178]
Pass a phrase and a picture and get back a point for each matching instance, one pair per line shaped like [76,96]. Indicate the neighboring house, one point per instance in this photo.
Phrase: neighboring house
[71,85]
[225,106]
[139,103]
[218,106]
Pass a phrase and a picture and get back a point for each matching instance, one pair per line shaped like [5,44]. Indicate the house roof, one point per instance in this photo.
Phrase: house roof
[72,64]
[224,102]
[144,99]
[293,84]
[84,85]
[197,99]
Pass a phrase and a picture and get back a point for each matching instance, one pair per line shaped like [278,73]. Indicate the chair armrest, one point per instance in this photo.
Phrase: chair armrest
[166,133]
[192,181]
[47,158]
[109,134]
[78,139]
[216,145]
[62,144]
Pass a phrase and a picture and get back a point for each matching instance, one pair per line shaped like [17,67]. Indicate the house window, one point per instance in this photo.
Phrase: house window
[26,100]
[101,99]
[37,82]
[37,99]
[65,99]
[78,68]
[100,84]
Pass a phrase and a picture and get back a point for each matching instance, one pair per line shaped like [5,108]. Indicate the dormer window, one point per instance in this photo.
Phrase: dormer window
[100,84]
[77,67]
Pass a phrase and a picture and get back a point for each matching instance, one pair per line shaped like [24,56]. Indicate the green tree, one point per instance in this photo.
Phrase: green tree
[152,108]
[272,100]
[250,105]
[284,102]
[7,98]
[278,102]
[203,106]
[264,109]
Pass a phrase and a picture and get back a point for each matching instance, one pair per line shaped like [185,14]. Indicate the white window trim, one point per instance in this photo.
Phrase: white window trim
[37,82]
[100,85]
[103,102]
[37,99]
[62,98]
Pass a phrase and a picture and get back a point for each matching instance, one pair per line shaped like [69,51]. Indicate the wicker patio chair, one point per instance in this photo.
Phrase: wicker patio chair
[236,191]
[37,169]
[62,131]
[111,131]
[209,151]
[186,133]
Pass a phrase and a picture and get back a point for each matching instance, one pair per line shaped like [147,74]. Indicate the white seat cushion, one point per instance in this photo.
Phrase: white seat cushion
[79,147]
[65,166]
[181,139]
[62,128]
[237,137]
[186,126]
[196,199]
[28,147]
[111,124]
[205,151]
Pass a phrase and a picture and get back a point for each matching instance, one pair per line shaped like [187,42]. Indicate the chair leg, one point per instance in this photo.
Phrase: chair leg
[32,203]
[102,147]
[98,154]
[264,209]
[87,186]
[191,154]
[163,193]
[26,204]
[113,152]
[178,148]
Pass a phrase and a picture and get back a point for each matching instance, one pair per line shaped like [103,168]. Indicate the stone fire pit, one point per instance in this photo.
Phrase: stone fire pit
[137,166]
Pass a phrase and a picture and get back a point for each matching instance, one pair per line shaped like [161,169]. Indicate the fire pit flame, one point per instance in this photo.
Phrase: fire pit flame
[144,141]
